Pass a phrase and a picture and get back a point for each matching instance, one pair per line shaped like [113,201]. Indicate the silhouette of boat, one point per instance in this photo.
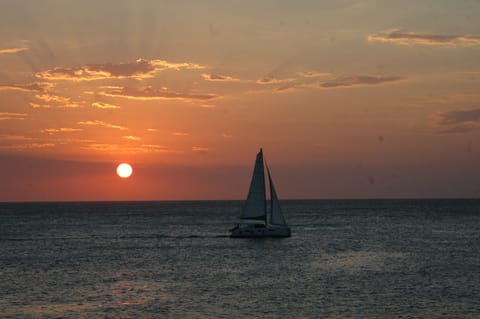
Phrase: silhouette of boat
[255,221]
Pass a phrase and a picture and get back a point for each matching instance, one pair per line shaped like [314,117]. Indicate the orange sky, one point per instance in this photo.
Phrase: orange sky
[349,99]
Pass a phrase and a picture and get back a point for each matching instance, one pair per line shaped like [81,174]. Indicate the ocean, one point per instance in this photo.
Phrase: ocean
[345,259]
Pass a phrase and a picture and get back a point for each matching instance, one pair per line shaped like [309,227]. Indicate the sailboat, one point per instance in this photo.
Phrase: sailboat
[255,222]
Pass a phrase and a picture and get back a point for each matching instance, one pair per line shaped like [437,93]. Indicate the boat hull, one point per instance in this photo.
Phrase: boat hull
[259,232]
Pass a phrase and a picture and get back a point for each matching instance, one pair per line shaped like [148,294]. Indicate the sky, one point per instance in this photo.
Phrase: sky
[348,99]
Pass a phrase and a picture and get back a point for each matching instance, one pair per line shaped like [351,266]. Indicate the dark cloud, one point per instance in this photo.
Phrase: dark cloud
[459,121]
[460,116]
[397,36]
[359,80]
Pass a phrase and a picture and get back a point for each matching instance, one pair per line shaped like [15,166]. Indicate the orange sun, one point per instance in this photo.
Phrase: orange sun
[124,170]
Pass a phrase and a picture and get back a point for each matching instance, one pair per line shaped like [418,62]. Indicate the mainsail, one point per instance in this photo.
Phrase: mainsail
[276,217]
[255,207]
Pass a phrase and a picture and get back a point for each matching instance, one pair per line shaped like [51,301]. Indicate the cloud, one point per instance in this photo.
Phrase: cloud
[12,116]
[102,105]
[117,148]
[226,135]
[27,146]
[90,72]
[132,138]
[321,80]
[162,64]
[334,83]
[411,38]
[200,149]
[12,50]
[150,93]
[40,106]
[272,80]
[152,130]
[58,101]
[460,116]
[313,74]
[61,130]
[103,124]
[459,121]
[219,78]
[31,87]
[359,80]
[11,137]
[53,98]
[180,134]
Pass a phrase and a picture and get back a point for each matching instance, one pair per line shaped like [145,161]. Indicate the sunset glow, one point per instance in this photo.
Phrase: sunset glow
[349,99]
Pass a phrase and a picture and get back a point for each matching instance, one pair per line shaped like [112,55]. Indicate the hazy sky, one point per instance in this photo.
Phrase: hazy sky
[349,99]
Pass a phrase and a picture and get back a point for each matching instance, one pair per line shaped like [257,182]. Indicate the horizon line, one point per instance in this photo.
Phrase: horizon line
[233,200]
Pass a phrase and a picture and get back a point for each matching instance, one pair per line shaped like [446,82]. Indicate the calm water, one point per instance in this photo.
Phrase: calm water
[346,259]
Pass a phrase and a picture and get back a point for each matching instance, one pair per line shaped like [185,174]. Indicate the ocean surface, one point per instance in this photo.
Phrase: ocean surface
[345,259]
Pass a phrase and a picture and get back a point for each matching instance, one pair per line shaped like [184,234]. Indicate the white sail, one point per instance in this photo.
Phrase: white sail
[276,217]
[255,207]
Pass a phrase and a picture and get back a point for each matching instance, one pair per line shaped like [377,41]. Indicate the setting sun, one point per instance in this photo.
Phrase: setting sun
[124,170]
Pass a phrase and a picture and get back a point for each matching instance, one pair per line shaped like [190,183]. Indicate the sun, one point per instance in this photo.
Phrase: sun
[124,170]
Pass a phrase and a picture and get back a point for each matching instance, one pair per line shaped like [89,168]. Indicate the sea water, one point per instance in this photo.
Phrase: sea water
[345,259]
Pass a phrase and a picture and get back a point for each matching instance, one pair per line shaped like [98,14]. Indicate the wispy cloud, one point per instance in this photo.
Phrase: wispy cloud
[40,106]
[102,105]
[20,147]
[180,134]
[273,80]
[207,106]
[358,80]
[53,98]
[121,148]
[152,130]
[313,74]
[12,137]
[320,82]
[150,93]
[132,138]
[61,130]
[200,149]
[459,121]
[31,87]
[58,101]
[219,78]
[460,116]
[12,50]
[103,124]
[139,69]
[12,116]
[410,38]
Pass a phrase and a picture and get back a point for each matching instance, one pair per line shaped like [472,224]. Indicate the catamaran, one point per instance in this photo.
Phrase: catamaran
[255,222]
